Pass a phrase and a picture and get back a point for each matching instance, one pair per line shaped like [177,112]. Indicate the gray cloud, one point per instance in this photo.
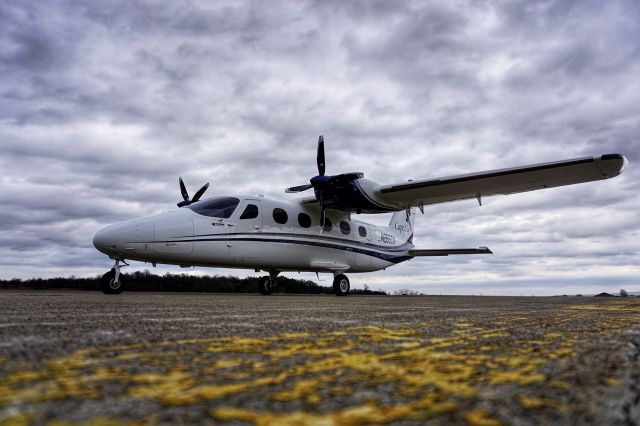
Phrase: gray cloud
[104,104]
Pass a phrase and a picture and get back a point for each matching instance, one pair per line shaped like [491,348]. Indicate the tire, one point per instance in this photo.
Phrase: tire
[107,284]
[341,285]
[265,287]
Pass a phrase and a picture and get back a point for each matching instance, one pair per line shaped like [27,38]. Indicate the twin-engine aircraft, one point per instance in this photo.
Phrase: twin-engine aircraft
[319,233]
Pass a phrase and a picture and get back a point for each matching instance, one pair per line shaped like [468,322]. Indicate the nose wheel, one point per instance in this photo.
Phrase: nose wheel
[112,282]
[341,285]
[267,285]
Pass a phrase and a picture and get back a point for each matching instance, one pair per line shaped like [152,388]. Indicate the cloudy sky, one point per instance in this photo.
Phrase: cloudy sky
[103,105]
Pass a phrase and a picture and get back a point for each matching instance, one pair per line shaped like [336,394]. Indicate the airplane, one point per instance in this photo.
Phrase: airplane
[320,233]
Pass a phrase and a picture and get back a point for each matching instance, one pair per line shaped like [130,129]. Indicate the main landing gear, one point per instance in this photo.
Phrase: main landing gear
[267,285]
[341,285]
[112,282]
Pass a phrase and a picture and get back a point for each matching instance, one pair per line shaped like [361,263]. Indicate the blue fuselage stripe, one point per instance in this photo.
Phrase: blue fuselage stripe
[400,248]
[392,253]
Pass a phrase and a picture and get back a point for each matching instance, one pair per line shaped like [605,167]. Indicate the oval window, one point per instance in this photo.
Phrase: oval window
[362,231]
[280,216]
[327,225]
[345,228]
[304,220]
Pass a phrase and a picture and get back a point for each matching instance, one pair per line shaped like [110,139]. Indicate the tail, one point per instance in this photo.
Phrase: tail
[401,225]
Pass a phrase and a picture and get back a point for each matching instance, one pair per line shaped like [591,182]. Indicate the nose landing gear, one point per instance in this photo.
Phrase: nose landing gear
[267,285]
[112,282]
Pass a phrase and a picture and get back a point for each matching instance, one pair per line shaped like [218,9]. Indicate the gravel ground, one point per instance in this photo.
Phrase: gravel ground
[72,357]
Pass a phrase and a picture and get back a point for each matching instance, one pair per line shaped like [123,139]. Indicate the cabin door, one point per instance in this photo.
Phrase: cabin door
[246,230]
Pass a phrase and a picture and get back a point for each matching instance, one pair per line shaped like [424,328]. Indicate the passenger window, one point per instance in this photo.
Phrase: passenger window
[362,231]
[222,207]
[251,212]
[304,220]
[345,228]
[327,224]
[280,216]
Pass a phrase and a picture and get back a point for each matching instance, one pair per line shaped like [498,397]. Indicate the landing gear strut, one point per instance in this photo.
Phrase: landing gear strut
[267,285]
[341,285]
[112,282]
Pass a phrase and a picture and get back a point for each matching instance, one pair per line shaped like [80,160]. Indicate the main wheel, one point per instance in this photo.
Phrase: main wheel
[341,285]
[266,286]
[109,285]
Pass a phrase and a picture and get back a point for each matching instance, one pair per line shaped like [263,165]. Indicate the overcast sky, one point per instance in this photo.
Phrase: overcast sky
[103,105]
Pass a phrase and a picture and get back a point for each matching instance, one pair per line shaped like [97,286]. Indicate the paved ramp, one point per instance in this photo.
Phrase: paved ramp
[82,357]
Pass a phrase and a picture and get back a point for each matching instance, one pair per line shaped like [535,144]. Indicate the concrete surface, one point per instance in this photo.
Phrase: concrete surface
[73,357]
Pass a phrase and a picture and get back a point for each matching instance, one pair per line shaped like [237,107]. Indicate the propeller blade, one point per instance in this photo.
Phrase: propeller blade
[320,157]
[183,190]
[322,213]
[298,188]
[200,192]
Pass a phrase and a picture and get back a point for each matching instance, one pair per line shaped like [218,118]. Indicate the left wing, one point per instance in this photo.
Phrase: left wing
[502,181]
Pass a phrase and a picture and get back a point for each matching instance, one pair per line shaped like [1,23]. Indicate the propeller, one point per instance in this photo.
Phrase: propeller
[324,184]
[185,194]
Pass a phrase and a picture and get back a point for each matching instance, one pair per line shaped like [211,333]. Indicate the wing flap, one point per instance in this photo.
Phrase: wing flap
[503,181]
[447,252]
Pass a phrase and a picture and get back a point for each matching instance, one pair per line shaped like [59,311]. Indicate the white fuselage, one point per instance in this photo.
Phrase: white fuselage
[255,234]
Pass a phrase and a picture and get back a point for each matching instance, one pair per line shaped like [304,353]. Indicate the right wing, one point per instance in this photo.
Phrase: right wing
[502,181]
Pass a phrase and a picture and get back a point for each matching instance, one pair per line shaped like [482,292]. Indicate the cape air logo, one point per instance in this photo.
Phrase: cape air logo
[403,228]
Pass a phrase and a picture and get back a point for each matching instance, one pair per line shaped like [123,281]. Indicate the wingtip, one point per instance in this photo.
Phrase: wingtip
[617,162]
[612,157]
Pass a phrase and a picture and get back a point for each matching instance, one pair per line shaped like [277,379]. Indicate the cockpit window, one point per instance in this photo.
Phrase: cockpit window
[222,207]
[251,212]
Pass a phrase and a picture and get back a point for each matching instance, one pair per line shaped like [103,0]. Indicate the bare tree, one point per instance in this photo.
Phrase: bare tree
[406,292]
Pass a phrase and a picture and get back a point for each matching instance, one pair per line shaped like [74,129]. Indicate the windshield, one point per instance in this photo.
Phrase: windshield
[215,207]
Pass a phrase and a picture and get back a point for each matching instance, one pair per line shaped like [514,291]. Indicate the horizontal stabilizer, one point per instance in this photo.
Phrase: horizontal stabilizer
[447,252]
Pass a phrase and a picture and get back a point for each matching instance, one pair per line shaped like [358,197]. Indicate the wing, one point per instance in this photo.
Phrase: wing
[503,181]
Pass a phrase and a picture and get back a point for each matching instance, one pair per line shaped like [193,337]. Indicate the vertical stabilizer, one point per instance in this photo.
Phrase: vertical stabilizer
[401,224]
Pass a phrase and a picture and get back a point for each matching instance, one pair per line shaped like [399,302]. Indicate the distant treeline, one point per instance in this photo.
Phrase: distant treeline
[146,281]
